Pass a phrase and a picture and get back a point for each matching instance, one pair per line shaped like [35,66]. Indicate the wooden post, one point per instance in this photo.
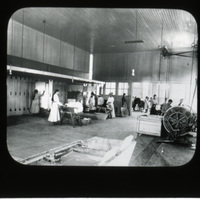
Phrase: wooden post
[50,92]
[131,95]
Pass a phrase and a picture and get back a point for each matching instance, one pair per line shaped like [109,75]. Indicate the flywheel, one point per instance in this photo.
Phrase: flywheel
[176,120]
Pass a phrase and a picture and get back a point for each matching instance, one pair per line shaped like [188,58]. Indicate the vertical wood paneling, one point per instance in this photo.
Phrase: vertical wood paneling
[33,45]
[10,94]
[79,59]
[16,40]
[120,70]
[9,36]
[50,51]
[18,95]
[146,64]
[67,54]
[180,69]
[105,67]
[18,99]
[119,66]
[164,69]
[15,95]
[108,61]
[22,90]
[27,96]
[97,62]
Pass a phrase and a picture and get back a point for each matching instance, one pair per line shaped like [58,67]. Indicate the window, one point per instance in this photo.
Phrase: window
[162,91]
[123,88]
[137,89]
[177,92]
[110,87]
[145,90]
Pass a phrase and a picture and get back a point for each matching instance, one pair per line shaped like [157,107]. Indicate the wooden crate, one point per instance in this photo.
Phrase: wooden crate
[149,125]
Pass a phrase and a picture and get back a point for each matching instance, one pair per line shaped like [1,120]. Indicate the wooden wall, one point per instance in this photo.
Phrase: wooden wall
[27,43]
[147,65]
[19,94]
[63,90]
[30,48]
[20,88]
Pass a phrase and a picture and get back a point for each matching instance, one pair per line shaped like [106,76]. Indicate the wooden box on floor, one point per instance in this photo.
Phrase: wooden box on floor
[149,125]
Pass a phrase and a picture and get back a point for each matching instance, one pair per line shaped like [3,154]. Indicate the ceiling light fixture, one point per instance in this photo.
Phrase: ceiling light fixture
[133,41]
[133,72]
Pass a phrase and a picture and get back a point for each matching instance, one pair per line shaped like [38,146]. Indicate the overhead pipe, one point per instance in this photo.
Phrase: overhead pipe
[52,74]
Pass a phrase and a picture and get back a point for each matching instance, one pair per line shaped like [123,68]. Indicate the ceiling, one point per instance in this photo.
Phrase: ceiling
[104,30]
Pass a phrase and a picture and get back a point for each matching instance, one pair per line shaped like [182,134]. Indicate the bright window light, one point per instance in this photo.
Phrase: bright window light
[91,66]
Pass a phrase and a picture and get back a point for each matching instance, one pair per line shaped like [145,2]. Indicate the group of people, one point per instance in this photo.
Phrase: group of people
[151,103]
[54,115]
[94,101]
[145,105]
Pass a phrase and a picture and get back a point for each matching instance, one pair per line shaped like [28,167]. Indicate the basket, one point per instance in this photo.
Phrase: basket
[85,121]
[102,116]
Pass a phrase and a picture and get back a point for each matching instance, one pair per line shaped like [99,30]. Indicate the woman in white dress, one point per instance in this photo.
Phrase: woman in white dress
[110,102]
[92,102]
[146,105]
[54,115]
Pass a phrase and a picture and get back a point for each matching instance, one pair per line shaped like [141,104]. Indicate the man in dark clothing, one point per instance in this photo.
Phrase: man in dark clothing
[166,106]
[124,109]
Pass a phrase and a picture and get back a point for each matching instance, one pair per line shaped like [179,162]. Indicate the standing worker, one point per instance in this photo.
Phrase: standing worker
[124,109]
[35,105]
[110,103]
[153,107]
[54,115]
[92,102]
[166,106]
[146,105]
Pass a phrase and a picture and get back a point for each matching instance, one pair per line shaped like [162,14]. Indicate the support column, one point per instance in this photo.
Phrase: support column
[50,92]
[131,95]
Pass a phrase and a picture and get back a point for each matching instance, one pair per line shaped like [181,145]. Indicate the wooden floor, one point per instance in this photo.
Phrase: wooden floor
[29,135]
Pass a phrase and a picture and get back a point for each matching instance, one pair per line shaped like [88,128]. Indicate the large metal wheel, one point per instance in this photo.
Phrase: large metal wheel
[176,121]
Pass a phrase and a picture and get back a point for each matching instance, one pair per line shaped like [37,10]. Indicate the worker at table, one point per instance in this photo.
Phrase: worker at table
[71,111]
[78,106]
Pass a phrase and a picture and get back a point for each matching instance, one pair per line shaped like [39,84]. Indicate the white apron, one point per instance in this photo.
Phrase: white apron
[111,101]
[54,115]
